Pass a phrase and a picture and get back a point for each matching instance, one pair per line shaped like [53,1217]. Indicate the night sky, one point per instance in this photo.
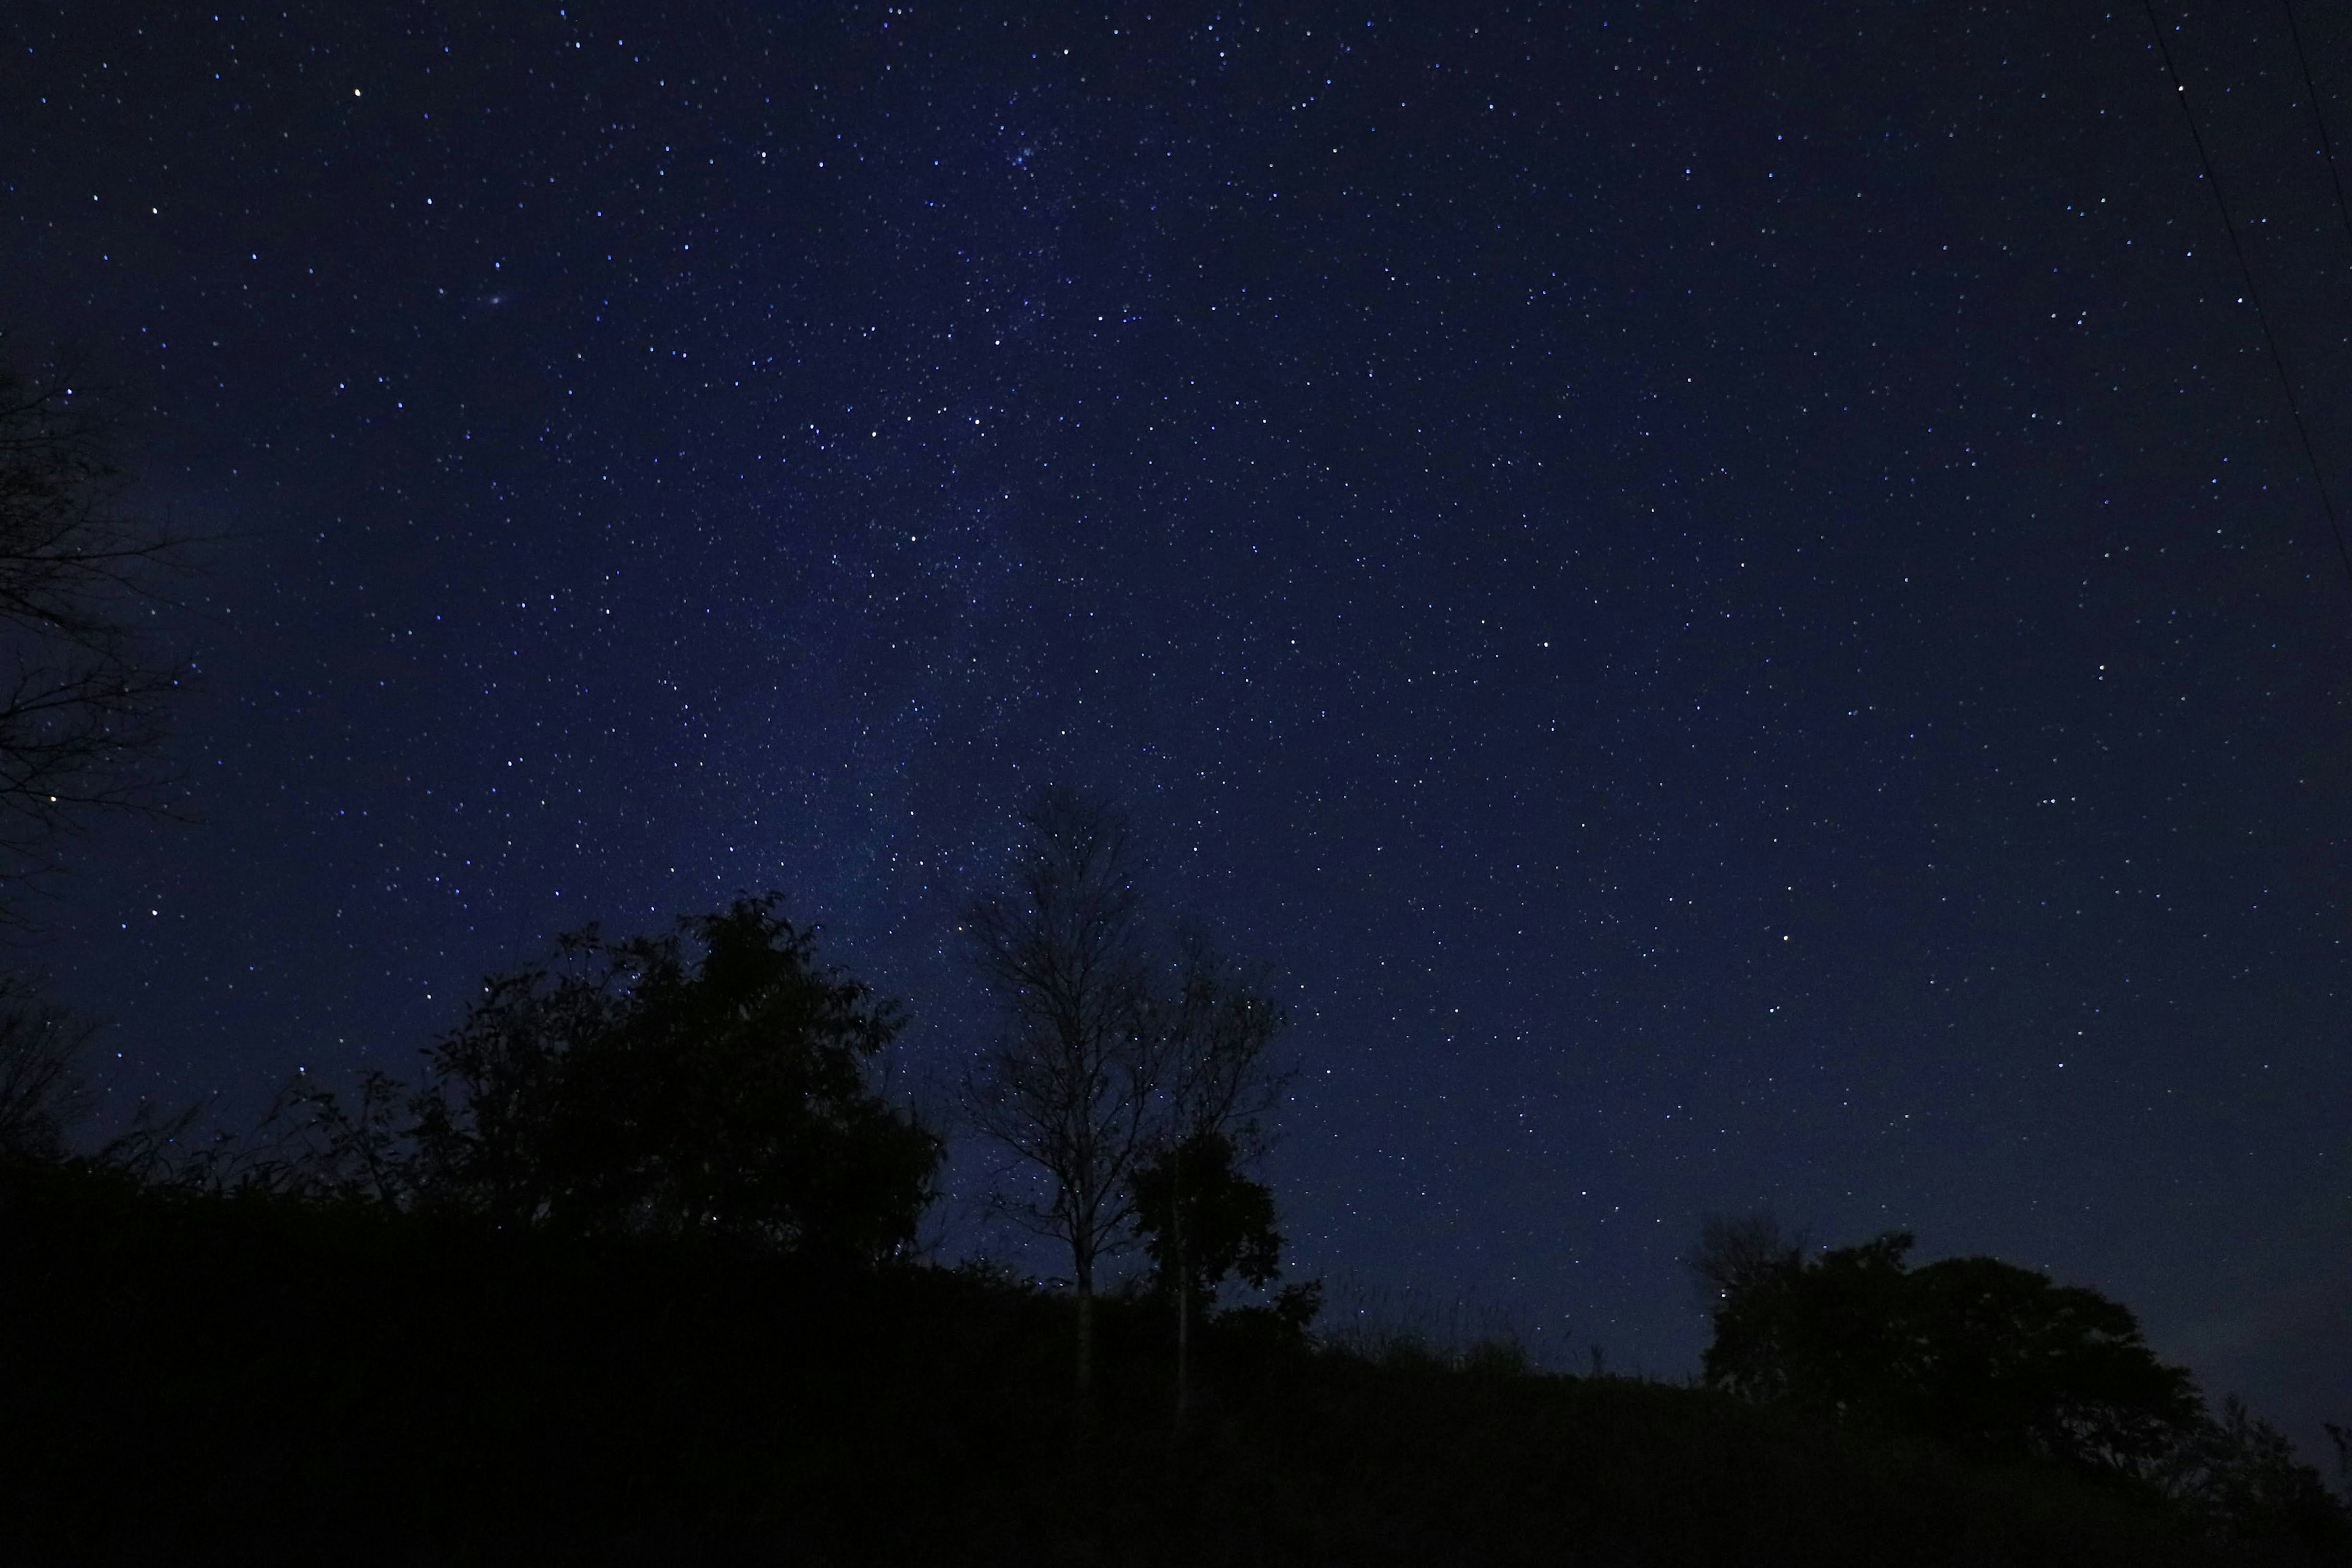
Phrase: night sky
[1727,594]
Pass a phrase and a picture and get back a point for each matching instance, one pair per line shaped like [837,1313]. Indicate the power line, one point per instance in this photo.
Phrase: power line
[2311,91]
[2286,383]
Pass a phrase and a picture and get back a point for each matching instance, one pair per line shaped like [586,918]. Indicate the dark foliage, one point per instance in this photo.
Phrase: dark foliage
[1194,1193]
[716,1082]
[1992,1358]
[2238,1473]
[265,1380]
[2001,1364]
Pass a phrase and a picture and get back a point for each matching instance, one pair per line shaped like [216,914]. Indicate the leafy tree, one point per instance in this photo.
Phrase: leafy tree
[1203,1222]
[2005,1361]
[1993,1358]
[712,1082]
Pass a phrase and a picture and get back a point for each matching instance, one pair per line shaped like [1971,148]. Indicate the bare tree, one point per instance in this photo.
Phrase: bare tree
[42,1091]
[1733,1253]
[1073,1084]
[82,689]
[1105,1064]
[1221,1027]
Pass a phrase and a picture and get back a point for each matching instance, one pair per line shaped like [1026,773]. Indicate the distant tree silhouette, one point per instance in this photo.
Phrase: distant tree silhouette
[1072,1085]
[82,689]
[308,1145]
[43,1089]
[714,1082]
[2239,1475]
[1101,1069]
[1204,1218]
[1991,1357]
[1734,1252]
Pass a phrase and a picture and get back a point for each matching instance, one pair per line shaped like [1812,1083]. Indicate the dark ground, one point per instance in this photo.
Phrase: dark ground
[199,1377]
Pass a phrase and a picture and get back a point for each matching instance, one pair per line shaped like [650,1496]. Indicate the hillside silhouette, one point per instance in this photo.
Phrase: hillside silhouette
[628,1274]
[282,1379]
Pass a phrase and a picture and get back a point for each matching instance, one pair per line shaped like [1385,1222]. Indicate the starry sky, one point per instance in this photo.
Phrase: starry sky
[1725,594]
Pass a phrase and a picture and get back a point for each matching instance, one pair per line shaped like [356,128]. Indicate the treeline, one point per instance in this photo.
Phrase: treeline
[718,1083]
[715,1082]
[628,1269]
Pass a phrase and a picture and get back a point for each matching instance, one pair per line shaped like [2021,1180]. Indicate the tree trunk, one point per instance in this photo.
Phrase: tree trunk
[1183,1283]
[1085,1384]
[1183,1354]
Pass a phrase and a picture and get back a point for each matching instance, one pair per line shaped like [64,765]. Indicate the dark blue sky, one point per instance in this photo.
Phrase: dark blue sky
[1729,596]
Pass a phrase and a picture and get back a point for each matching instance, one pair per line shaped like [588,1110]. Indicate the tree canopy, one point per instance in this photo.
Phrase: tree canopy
[1203,1221]
[1984,1354]
[713,1081]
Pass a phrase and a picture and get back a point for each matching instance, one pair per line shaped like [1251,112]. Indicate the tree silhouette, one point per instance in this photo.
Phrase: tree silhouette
[714,1082]
[42,1091]
[82,689]
[1991,1357]
[1203,1221]
[1073,1083]
[2239,1475]
[1100,1067]
[1204,1218]
[1734,1252]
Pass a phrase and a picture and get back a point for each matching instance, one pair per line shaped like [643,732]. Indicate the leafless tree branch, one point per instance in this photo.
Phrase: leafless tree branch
[82,686]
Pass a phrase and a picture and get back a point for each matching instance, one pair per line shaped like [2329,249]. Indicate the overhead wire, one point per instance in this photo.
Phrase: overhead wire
[2254,297]
[2311,91]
